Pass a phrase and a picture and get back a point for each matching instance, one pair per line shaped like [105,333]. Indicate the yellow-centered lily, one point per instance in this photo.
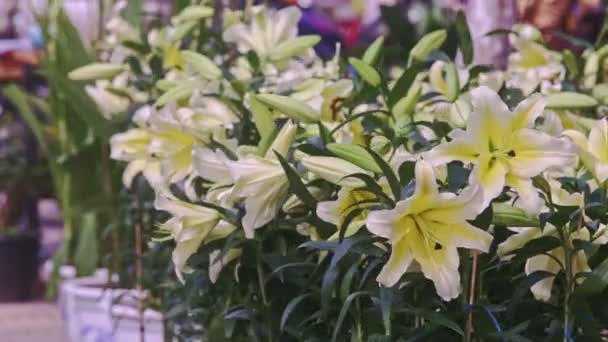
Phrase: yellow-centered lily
[132,146]
[190,226]
[262,182]
[503,145]
[553,260]
[349,199]
[593,151]
[429,227]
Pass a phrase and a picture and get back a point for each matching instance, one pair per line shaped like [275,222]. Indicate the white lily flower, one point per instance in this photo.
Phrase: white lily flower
[108,103]
[549,262]
[428,227]
[349,199]
[531,64]
[593,151]
[216,264]
[262,182]
[504,147]
[269,29]
[190,226]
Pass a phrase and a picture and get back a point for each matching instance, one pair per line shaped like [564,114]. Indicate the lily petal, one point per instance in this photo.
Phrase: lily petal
[400,259]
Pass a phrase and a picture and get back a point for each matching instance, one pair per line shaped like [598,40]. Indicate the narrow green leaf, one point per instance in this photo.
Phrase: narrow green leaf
[344,311]
[596,282]
[262,117]
[204,66]
[366,71]
[86,255]
[295,183]
[403,84]
[464,38]
[387,171]
[440,319]
[19,99]
[290,307]
[374,51]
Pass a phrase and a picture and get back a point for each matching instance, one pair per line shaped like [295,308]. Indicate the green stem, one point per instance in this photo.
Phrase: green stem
[109,192]
[568,279]
[261,284]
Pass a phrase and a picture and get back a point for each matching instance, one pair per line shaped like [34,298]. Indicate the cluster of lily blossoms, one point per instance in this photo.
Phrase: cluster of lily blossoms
[292,104]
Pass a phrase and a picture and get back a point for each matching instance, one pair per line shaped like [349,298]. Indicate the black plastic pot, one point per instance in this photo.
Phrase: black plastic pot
[18,267]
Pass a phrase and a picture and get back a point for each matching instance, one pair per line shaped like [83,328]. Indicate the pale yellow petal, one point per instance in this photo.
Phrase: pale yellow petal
[534,151]
[598,141]
[400,259]
[542,289]
[527,111]
[488,124]
[490,174]
[439,264]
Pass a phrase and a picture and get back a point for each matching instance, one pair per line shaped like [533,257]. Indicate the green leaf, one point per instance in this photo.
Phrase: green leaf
[59,259]
[427,44]
[348,278]
[203,66]
[537,246]
[374,51]
[295,183]
[403,110]
[464,38]
[403,84]
[19,99]
[596,282]
[523,287]
[366,71]
[290,307]
[570,100]
[439,319]
[133,13]
[262,117]
[387,171]
[344,311]
[86,255]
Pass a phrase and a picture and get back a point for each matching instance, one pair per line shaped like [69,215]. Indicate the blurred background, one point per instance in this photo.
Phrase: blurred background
[32,227]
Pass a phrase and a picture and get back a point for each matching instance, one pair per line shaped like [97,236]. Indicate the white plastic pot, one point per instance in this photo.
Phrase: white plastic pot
[127,324]
[96,313]
[85,305]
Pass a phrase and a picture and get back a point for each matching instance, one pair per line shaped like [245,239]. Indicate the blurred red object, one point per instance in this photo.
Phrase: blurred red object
[13,64]
[580,18]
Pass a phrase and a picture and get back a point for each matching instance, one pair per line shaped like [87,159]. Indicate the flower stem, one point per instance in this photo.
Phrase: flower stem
[469,326]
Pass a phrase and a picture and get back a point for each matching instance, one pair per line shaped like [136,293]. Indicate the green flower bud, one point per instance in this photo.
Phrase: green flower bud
[354,154]
[570,100]
[293,47]
[505,214]
[295,109]
[95,71]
